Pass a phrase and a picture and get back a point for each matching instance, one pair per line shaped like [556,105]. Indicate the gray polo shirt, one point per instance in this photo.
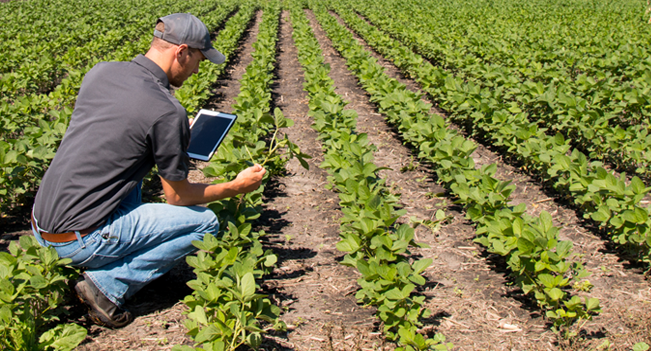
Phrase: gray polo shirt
[125,121]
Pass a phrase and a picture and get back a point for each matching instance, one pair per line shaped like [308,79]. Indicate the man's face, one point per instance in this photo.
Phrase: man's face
[187,63]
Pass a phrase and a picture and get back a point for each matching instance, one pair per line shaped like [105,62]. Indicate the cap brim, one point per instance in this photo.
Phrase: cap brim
[214,56]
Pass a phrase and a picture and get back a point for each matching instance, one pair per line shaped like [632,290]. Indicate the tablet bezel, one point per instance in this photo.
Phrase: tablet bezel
[210,113]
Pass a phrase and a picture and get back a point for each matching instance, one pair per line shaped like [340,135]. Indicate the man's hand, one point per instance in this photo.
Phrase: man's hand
[184,193]
[250,178]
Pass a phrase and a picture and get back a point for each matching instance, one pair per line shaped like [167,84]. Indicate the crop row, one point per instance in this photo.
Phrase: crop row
[27,109]
[224,310]
[575,25]
[612,202]
[69,47]
[541,264]
[598,100]
[52,28]
[23,91]
[373,242]
[33,127]
[603,40]
[34,18]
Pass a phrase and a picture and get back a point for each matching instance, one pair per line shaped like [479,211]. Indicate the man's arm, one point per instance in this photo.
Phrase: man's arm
[184,193]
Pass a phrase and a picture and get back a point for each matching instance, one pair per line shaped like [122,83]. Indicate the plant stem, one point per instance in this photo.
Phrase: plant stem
[235,333]
[272,148]
[249,152]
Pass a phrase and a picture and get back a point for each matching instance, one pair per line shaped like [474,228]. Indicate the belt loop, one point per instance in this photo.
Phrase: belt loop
[81,242]
[34,222]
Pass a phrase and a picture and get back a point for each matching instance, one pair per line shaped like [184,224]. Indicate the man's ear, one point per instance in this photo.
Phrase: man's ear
[181,50]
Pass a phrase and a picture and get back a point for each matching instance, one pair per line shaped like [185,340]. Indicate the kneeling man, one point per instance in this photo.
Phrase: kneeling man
[125,122]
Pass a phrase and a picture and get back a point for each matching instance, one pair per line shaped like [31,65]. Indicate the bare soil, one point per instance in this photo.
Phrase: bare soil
[471,297]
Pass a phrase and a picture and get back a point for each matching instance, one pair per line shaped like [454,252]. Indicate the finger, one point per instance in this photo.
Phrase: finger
[260,172]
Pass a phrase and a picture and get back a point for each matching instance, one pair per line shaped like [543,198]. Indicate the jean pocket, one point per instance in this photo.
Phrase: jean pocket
[107,250]
[76,252]
[101,254]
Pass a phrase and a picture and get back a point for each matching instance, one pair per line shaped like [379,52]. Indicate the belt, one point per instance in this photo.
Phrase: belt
[62,237]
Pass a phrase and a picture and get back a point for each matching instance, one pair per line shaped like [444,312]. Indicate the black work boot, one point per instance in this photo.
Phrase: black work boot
[100,309]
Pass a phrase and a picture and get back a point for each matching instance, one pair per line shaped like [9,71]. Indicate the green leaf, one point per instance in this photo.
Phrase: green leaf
[248,285]
[394,294]
[63,337]
[518,226]
[373,203]
[254,340]
[5,314]
[547,280]
[270,260]
[184,348]
[199,315]
[546,221]
[525,246]
[602,215]
[637,186]
[421,265]
[38,282]
[348,244]
[555,294]
[207,334]
[592,304]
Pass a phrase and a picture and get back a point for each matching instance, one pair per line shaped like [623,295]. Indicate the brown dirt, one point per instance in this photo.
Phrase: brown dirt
[468,290]
[611,274]
[302,219]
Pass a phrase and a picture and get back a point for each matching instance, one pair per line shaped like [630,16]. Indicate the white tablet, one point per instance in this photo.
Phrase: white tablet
[207,132]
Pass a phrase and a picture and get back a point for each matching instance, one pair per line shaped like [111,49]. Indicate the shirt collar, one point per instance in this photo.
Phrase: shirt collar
[151,66]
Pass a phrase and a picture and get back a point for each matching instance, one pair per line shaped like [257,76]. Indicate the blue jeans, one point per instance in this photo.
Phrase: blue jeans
[137,244]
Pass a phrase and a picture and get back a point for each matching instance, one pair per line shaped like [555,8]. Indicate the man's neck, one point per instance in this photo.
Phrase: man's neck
[163,59]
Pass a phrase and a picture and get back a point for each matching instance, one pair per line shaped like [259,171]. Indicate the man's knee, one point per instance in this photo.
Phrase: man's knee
[213,224]
[210,223]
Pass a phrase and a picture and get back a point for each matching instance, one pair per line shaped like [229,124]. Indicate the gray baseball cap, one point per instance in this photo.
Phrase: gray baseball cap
[184,28]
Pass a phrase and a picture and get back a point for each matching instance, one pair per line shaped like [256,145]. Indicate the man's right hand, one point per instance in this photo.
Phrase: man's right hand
[184,193]
[250,179]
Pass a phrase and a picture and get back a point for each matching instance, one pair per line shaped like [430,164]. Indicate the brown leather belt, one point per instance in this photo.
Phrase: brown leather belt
[62,237]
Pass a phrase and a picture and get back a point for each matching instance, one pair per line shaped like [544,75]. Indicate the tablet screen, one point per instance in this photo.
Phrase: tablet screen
[207,132]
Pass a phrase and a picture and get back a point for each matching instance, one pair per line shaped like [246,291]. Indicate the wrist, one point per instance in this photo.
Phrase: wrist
[236,185]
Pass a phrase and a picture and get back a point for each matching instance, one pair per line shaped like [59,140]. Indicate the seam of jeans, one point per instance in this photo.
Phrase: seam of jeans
[72,254]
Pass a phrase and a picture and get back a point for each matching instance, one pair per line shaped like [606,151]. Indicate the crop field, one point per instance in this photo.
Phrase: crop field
[443,175]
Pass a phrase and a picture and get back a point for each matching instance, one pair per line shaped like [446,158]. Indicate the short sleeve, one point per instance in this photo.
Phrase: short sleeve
[169,139]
